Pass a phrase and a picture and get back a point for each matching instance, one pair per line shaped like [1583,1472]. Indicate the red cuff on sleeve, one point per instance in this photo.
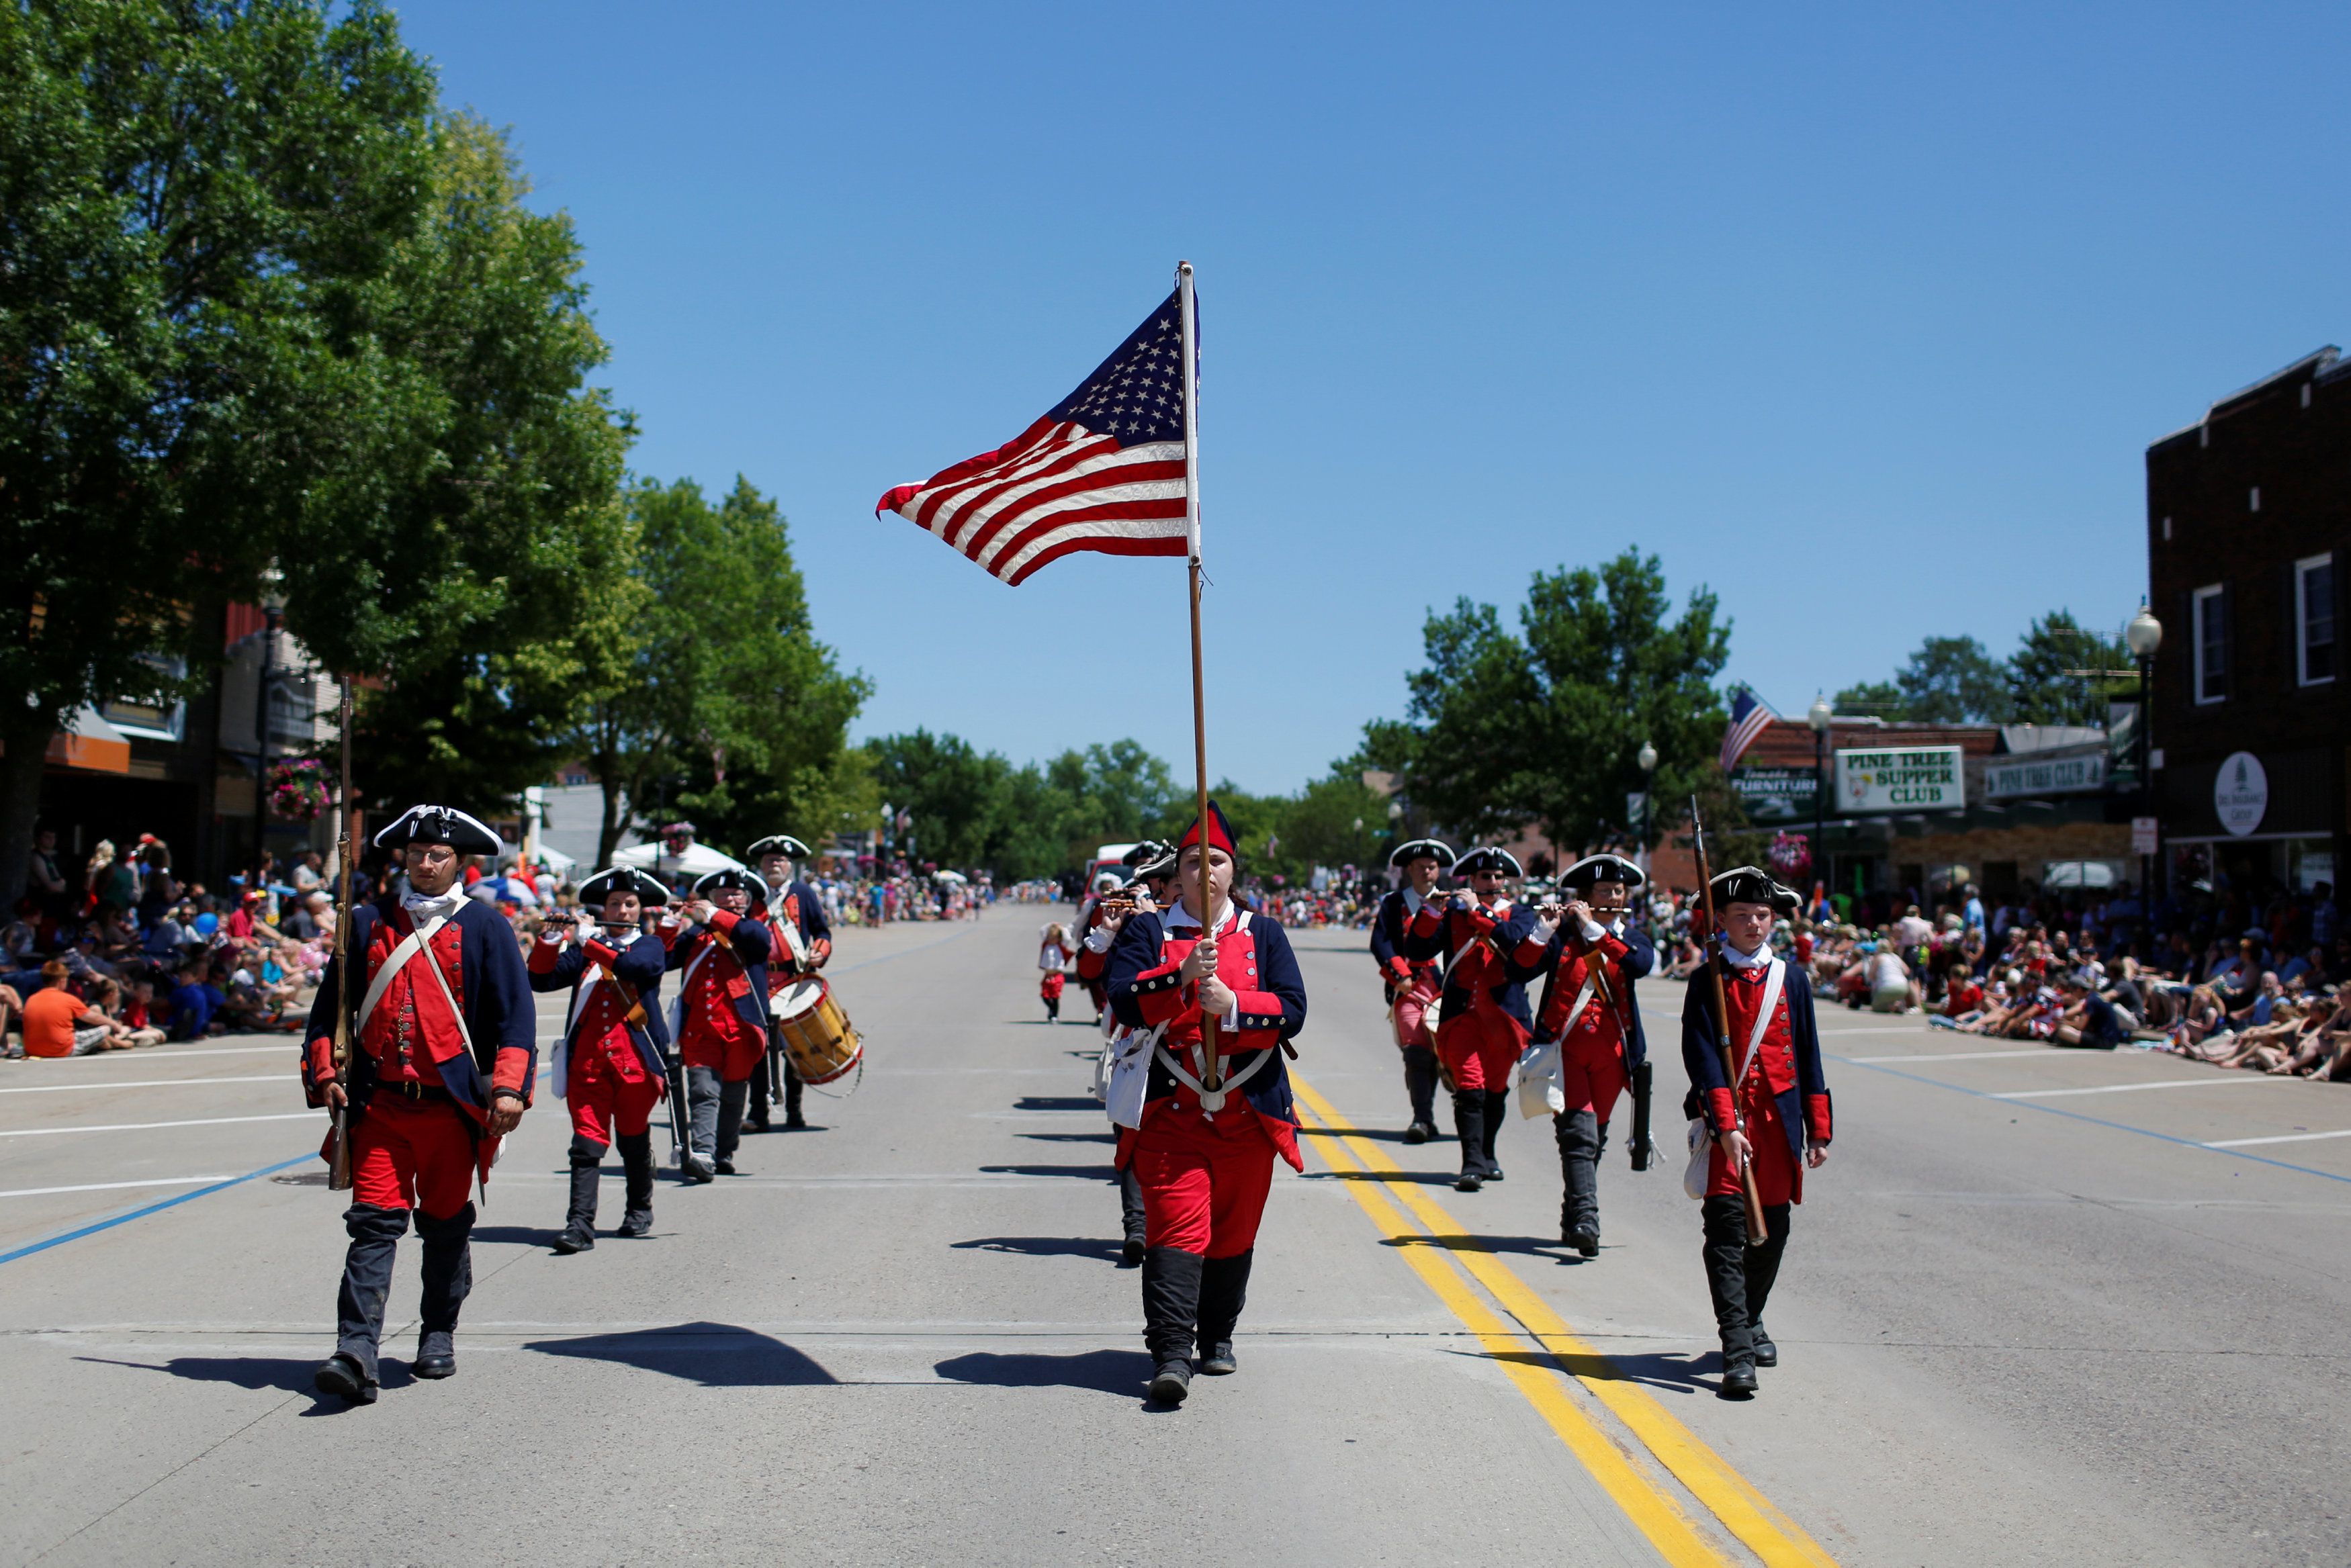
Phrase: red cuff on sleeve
[821,950]
[1424,924]
[513,1067]
[1161,994]
[1529,953]
[600,953]
[1816,1118]
[543,954]
[1401,970]
[1719,1112]
[725,920]
[322,1061]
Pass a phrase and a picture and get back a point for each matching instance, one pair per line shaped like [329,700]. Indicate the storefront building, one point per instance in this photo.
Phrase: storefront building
[2248,518]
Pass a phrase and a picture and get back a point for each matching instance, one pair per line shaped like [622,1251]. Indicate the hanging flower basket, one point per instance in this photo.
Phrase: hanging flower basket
[1790,853]
[297,790]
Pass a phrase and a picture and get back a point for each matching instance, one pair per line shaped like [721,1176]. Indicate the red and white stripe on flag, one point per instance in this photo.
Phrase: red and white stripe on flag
[1750,717]
[1101,471]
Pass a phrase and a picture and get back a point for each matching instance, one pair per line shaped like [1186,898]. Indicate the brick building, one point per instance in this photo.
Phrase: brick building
[2248,519]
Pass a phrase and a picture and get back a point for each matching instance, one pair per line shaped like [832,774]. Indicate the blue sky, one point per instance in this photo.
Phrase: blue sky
[1862,317]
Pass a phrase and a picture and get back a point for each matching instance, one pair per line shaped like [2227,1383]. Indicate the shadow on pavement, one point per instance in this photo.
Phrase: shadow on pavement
[1427,1178]
[1120,1372]
[1676,1371]
[1528,1246]
[258,1372]
[1046,1246]
[1057,1103]
[529,1235]
[715,1354]
[1083,1172]
[1071,1137]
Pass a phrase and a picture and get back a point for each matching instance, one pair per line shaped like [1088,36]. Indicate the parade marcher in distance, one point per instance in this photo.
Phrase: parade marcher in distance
[1054,957]
[722,1014]
[791,910]
[1593,954]
[1411,975]
[1106,911]
[1782,1105]
[442,1058]
[613,1070]
[1092,916]
[1205,1158]
[1483,1023]
[1152,890]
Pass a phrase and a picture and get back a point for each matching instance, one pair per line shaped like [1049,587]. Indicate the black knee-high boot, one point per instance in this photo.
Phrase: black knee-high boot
[1762,1269]
[1725,1253]
[1171,1319]
[1420,1086]
[792,1086]
[1495,1101]
[1469,1124]
[448,1278]
[1578,1133]
[586,1169]
[637,1166]
[1224,1290]
[351,1373]
[1129,1205]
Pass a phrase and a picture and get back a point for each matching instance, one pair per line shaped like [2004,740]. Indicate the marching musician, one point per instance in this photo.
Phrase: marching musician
[441,1069]
[794,915]
[1775,1122]
[722,1014]
[1592,957]
[1204,1156]
[1411,976]
[1091,917]
[1150,890]
[612,1071]
[1484,1024]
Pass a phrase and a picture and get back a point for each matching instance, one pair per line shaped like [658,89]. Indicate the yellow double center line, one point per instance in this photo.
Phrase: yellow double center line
[1654,1508]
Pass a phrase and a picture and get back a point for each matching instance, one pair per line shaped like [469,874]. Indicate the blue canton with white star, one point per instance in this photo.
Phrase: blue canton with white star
[1137,394]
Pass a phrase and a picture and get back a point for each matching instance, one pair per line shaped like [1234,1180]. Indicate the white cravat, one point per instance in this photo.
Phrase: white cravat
[422,908]
[1737,959]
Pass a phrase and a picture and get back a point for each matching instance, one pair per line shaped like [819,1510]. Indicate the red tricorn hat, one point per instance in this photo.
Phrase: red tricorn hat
[1220,832]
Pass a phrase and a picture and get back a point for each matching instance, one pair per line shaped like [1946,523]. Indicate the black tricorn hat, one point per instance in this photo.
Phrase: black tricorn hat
[1406,853]
[1602,867]
[730,876]
[440,825]
[1747,885]
[649,888]
[1489,857]
[782,844]
[1145,853]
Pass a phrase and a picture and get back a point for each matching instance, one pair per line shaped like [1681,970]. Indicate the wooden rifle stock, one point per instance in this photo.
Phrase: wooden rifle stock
[1757,1232]
[339,1164]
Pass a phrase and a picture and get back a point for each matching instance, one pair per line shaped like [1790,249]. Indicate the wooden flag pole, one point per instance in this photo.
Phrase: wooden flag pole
[1211,1076]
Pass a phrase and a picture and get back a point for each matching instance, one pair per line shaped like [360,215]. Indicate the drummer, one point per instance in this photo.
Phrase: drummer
[793,913]
[722,1009]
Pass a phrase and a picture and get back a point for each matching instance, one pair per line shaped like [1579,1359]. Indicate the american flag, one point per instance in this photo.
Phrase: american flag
[1104,470]
[1750,717]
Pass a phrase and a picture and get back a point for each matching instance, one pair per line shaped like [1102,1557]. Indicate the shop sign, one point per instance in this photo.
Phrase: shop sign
[2241,794]
[1926,778]
[2046,776]
[2146,836]
[1775,794]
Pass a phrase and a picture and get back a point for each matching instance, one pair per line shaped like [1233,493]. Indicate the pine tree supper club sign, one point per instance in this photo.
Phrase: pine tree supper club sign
[1925,778]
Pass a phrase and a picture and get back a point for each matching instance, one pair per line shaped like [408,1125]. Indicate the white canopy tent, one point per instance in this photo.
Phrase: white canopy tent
[699,860]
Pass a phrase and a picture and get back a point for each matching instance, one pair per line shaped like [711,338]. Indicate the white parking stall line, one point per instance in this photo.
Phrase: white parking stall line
[2213,1083]
[2280,1138]
[147,1127]
[148,1083]
[115,1185]
[1963,1056]
[289,1045]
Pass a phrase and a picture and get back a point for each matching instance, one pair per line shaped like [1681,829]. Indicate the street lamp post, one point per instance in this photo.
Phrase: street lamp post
[1648,757]
[2143,636]
[273,614]
[1820,715]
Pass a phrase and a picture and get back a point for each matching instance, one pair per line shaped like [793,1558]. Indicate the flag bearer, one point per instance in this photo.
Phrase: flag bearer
[1204,1156]
[1593,955]
[722,1014]
[1483,1007]
[1411,976]
[793,913]
[611,1069]
[1782,1121]
[441,1069]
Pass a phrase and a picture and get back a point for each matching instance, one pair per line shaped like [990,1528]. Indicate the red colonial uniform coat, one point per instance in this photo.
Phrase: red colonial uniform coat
[713,1031]
[609,1087]
[1768,1086]
[1591,1055]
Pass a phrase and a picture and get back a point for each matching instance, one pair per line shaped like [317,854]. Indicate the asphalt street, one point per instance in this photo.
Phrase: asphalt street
[2043,1307]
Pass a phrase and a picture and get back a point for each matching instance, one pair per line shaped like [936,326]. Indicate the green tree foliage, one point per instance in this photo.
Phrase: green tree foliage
[973,809]
[1875,699]
[2042,683]
[727,709]
[1544,725]
[1952,680]
[197,201]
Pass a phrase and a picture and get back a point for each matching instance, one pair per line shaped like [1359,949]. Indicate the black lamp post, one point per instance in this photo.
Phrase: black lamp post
[1820,715]
[2143,636]
[273,613]
[1648,758]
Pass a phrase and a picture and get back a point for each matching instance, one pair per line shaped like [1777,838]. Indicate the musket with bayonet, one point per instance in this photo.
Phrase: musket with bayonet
[338,1163]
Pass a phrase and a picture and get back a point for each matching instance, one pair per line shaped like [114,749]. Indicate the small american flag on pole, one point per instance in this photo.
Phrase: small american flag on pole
[1102,469]
[1750,717]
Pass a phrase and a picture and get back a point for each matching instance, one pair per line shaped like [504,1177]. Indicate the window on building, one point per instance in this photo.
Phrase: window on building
[2314,615]
[2211,624]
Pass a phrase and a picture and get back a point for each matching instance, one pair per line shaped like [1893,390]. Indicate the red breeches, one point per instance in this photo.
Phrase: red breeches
[1049,985]
[1411,1016]
[413,1154]
[1777,1178]
[605,1104]
[1204,1182]
[1593,1075]
[1480,1048]
[731,1054]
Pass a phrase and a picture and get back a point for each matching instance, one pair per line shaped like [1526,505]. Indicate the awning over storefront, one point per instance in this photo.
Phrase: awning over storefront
[89,744]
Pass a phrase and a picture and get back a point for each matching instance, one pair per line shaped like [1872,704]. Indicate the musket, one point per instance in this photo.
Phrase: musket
[338,1163]
[1757,1232]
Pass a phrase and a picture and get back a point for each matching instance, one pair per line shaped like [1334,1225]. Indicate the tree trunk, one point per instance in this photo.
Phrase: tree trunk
[27,735]
[607,832]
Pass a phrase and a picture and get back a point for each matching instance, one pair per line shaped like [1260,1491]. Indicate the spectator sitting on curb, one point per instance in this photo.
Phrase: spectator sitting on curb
[195,1001]
[59,1024]
[2087,1019]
